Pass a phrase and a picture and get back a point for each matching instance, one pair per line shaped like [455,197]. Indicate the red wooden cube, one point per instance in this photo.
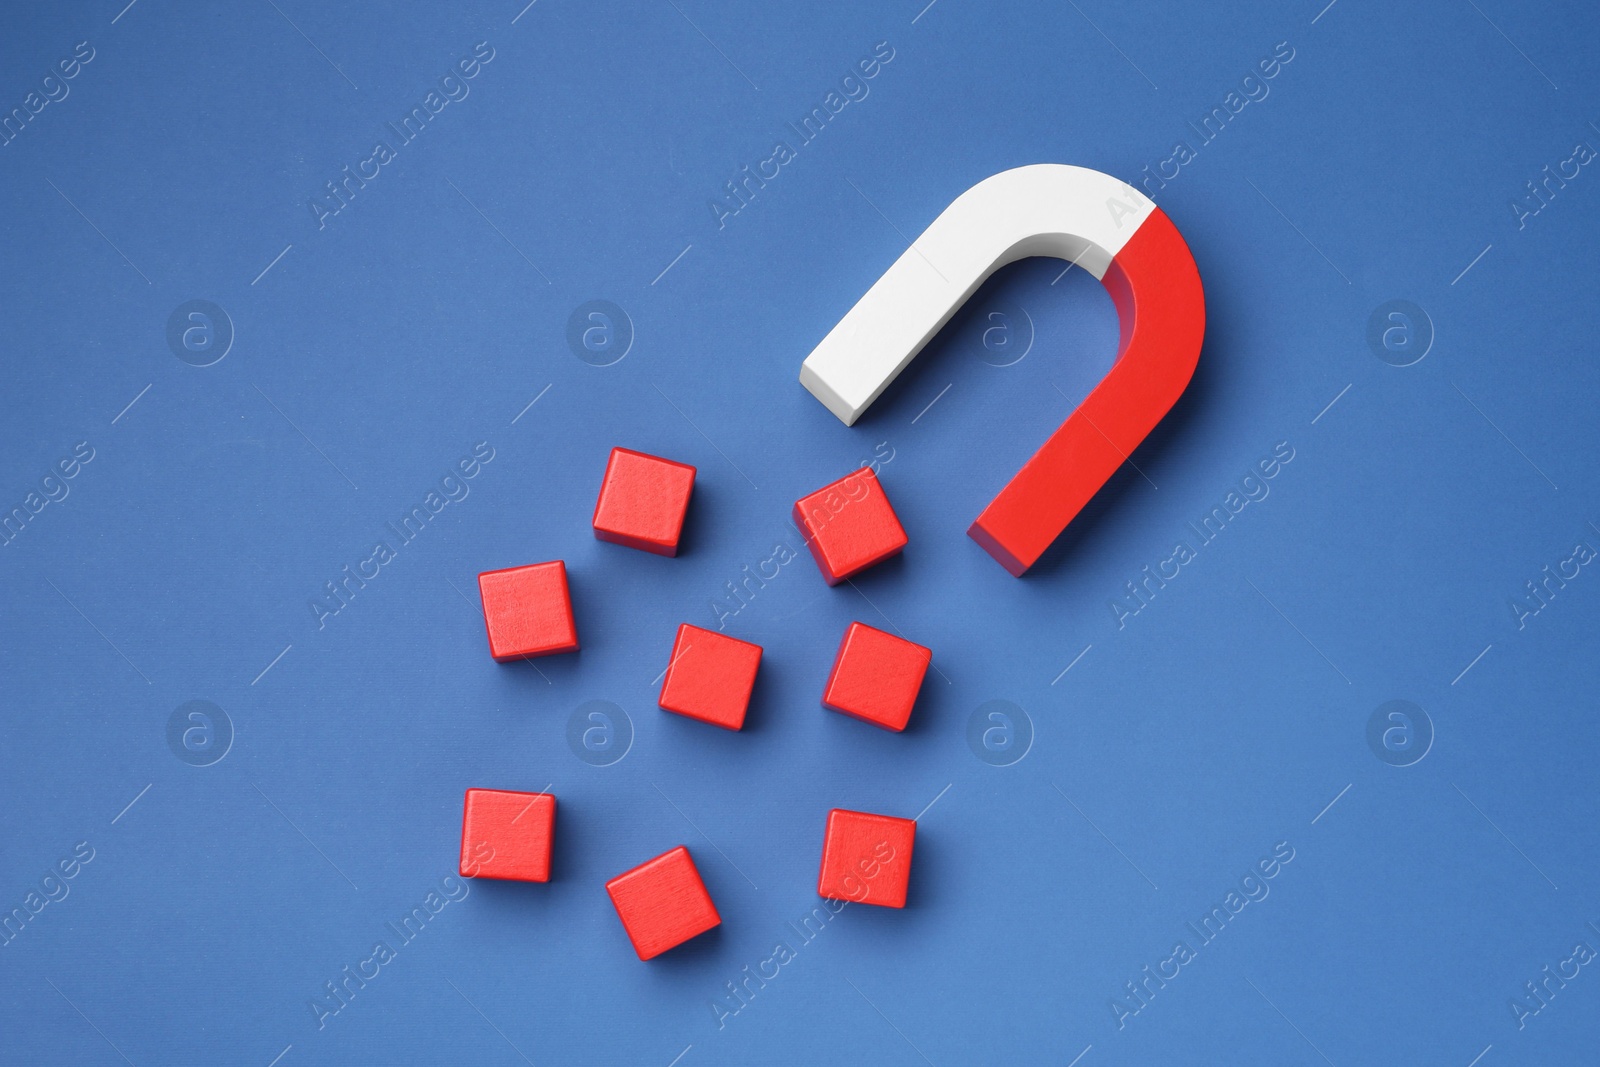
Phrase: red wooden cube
[507,835]
[528,611]
[876,676]
[662,903]
[642,502]
[849,525]
[866,859]
[710,677]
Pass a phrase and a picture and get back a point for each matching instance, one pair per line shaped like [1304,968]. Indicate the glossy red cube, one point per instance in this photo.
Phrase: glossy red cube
[528,611]
[643,500]
[849,525]
[662,903]
[866,858]
[507,835]
[876,676]
[710,677]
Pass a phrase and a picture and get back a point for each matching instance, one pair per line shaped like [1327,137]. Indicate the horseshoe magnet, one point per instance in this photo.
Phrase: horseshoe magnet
[1098,222]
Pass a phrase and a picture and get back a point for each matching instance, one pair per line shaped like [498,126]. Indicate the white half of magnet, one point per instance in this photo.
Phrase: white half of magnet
[1047,209]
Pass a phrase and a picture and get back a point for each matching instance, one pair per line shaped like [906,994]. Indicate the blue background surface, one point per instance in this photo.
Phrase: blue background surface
[1183,745]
